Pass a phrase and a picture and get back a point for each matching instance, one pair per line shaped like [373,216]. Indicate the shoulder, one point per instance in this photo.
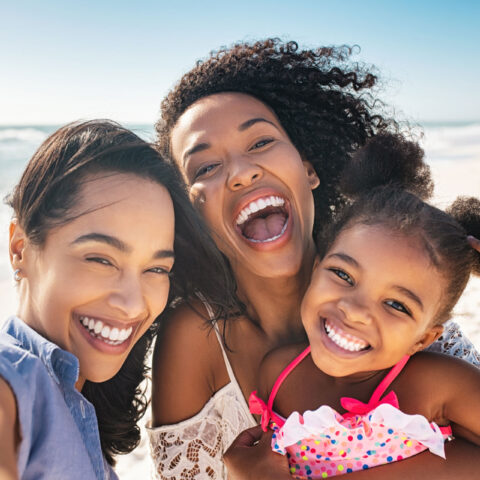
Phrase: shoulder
[273,365]
[9,430]
[438,377]
[188,365]
[19,367]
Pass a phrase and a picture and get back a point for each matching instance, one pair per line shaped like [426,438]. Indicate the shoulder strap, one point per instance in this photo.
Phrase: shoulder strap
[285,372]
[389,378]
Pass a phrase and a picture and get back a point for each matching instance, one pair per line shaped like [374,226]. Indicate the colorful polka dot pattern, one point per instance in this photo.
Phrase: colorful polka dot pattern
[335,452]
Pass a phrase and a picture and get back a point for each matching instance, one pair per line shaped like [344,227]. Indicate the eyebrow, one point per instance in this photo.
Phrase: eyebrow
[410,295]
[117,244]
[241,128]
[346,258]
[245,125]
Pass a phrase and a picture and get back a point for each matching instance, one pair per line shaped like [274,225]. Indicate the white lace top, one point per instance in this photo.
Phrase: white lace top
[193,449]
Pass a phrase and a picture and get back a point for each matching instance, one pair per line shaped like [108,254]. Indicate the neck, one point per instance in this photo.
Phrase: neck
[273,304]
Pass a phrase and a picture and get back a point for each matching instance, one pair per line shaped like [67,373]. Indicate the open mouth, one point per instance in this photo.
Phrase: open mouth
[108,334]
[263,220]
[343,339]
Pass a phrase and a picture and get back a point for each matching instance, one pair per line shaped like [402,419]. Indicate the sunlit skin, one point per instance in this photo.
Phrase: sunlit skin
[231,150]
[110,263]
[380,290]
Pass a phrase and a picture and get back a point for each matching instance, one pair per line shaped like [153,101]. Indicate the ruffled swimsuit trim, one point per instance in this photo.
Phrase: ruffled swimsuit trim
[324,443]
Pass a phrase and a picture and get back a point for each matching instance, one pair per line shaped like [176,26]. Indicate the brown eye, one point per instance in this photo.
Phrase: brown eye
[204,169]
[343,275]
[397,306]
[261,143]
[102,261]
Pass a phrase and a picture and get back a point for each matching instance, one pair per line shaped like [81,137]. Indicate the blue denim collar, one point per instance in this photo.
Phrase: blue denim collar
[62,365]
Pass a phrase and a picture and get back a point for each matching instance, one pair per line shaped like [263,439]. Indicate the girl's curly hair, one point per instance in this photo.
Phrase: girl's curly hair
[323,101]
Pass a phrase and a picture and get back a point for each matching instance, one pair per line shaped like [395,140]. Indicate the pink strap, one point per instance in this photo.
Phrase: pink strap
[259,407]
[285,372]
[389,378]
[356,407]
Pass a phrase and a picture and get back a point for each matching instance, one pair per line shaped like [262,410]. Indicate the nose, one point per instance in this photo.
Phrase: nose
[128,298]
[242,173]
[355,310]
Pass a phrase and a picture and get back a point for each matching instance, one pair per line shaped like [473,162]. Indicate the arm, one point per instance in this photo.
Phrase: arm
[188,437]
[461,398]
[8,433]
[247,460]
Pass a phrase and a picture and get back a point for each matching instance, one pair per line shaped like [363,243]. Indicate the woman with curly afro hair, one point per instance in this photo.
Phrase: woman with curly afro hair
[260,133]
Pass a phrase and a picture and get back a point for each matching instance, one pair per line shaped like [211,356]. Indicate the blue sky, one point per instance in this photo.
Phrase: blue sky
[64,60]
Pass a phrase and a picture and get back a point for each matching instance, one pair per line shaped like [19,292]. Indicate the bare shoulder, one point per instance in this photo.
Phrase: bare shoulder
[9,431]
[188,366]
[431,380]
[273,364]
[438,367]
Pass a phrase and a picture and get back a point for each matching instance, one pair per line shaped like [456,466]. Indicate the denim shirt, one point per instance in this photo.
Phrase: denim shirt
[58,426]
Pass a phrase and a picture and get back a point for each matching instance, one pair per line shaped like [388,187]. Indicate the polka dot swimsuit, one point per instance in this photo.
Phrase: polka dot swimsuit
[324,443]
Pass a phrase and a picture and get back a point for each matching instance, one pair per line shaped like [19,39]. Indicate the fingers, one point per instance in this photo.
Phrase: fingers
[248,437]
[474,242]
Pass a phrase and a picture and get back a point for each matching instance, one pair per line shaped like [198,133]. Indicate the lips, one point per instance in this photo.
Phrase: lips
[263,219]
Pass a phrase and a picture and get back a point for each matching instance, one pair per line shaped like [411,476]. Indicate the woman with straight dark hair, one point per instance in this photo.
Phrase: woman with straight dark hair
[102,240]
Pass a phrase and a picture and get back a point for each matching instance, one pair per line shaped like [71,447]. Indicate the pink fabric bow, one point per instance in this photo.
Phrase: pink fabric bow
[356,407]
[259,407]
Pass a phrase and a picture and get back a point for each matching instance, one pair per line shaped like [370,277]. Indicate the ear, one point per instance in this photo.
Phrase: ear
[312,176]
[427,339]
[16,245]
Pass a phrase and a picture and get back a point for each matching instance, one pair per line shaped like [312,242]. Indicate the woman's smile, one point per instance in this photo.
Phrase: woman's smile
[263,218]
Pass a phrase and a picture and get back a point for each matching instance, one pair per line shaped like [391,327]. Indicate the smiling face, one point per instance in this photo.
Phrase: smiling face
[248,181]
[371,300]
[100,280]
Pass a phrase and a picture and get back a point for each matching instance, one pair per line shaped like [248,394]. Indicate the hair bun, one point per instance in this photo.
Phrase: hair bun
[466,211]
[388,159]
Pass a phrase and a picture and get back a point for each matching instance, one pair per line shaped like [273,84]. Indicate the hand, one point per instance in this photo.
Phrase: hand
[474,243]
[251,457]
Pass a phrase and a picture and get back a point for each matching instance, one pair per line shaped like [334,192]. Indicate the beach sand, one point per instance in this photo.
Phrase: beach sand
[452,178]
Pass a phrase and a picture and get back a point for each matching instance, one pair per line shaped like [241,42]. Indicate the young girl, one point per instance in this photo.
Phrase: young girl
[393,270]
[103,238]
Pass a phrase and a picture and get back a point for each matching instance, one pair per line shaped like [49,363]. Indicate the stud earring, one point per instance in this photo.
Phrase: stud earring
[16,275]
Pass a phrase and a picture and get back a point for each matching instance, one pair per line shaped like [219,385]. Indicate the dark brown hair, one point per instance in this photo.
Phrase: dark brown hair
[388,181]
[321,99]
[44,199]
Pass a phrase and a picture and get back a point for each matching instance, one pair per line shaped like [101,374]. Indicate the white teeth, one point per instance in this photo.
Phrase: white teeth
[105,333]
[343,339]
[110,335]
[257,205]
[114,334]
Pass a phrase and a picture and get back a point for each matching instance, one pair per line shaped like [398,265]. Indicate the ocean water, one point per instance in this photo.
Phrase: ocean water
[453,151]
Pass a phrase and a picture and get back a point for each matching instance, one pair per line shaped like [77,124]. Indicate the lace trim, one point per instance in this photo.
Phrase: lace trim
[194,448]
[453,342]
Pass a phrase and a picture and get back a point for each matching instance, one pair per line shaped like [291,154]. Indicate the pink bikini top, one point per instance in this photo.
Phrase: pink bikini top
[351,405]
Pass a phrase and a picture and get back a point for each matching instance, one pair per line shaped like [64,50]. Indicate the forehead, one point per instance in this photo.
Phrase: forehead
[212,116]
[380,241]
[123,205]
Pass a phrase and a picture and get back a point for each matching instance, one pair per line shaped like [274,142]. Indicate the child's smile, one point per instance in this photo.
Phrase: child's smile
[371,300]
